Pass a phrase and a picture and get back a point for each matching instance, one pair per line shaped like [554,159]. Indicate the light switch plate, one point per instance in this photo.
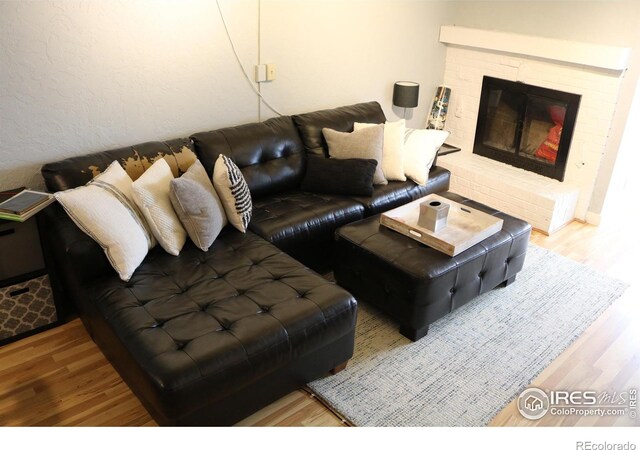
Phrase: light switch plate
[271,72]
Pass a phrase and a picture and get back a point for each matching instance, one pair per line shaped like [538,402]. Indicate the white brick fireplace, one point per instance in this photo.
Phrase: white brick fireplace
[592,71]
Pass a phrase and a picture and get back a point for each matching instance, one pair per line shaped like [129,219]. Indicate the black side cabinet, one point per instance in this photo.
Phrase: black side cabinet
[27,305]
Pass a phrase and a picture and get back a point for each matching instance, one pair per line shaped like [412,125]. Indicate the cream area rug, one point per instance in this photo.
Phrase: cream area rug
[474,361]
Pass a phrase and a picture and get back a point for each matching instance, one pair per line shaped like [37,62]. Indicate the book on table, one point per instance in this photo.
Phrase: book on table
[23,203]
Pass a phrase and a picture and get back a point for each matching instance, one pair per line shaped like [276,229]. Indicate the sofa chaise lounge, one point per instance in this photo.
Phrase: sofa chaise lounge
[210,337]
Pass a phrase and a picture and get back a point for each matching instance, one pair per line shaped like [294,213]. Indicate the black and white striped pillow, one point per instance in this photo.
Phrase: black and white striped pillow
[233,192]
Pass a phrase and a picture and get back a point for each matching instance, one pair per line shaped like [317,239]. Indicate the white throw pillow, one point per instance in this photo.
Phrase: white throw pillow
[392,150]
[420,148]
[151,194]
[233,191]
[104,209]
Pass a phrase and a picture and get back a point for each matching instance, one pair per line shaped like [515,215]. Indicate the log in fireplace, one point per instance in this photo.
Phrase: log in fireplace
[526,126]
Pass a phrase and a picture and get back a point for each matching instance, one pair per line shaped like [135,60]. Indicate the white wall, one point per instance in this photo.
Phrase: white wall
[337,52]
[603,22]
[84,76]
[625,183]
[79,77]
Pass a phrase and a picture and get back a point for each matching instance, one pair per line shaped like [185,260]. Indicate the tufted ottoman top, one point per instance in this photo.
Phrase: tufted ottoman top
[422,262]
[219,319]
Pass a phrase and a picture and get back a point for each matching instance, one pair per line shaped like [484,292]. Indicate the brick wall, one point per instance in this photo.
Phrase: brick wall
[545,203]
[464,69]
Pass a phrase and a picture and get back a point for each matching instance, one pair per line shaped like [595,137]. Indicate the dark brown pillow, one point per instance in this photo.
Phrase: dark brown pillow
[340,176]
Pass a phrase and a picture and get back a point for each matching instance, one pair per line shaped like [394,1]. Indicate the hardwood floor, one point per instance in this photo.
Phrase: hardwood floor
[607,356]
[59,377]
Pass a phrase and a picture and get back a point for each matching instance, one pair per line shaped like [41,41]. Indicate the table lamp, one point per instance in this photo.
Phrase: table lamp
[405,94]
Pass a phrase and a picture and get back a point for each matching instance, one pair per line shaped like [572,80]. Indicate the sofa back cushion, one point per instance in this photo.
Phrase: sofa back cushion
[270,154]
[310,125]
[77,171]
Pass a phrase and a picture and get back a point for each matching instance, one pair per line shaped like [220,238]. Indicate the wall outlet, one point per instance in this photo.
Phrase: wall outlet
[459,108]
[271,72]
[261,73]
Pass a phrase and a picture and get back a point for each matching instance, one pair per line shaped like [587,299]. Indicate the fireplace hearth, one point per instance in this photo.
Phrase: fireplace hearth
[526,126]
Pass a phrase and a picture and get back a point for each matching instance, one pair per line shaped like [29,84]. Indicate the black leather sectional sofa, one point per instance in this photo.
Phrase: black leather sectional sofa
[210,337]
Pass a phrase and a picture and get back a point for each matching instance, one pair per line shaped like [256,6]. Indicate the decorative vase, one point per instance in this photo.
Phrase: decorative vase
[438,114]
[433,215]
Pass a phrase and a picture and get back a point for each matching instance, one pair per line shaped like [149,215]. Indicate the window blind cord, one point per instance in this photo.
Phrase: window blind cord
[242,69]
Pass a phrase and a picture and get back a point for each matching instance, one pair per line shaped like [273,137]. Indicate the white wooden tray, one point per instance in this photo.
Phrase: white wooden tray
[465,226]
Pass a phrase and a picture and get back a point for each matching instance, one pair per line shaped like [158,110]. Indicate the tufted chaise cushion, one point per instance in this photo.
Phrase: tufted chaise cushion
[202,325]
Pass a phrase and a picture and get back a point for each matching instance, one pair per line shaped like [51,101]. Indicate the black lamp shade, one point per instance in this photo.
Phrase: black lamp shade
[405,94]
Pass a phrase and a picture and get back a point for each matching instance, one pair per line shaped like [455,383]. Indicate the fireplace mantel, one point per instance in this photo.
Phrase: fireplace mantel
[594,55]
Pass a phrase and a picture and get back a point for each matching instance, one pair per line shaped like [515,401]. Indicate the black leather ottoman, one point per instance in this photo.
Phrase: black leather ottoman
[416,284]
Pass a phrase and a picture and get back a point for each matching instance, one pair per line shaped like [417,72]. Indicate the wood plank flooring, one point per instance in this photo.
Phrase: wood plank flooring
[59,377]
[607,356]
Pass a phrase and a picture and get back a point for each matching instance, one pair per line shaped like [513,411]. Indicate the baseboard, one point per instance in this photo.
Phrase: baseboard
[538,230]
[549,233]
[593,218]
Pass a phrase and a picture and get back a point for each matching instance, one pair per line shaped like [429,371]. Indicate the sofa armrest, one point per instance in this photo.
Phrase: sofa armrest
[73,259]
[445,149]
